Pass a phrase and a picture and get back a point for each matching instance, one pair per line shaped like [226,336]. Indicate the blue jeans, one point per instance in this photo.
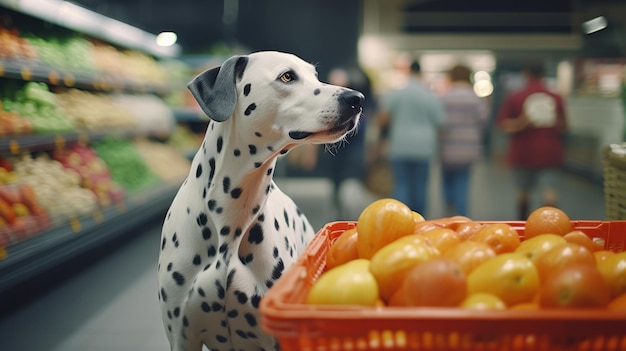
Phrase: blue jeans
[456,188]
[410,179]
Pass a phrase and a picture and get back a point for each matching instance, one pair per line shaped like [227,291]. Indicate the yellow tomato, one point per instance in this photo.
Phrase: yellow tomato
[417,217]
[442,238]
[483,301]
[382,222]
[613,268]
[390,264]
[510,276]
[536,246]
[348,284]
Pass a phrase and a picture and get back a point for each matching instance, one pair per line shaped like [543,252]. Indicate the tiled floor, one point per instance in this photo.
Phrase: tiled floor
[112,304]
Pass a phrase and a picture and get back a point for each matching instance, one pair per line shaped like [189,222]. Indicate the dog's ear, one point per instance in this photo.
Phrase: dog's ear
[215,90]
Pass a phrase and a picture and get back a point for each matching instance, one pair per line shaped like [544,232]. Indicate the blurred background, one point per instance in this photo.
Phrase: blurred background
[97,130]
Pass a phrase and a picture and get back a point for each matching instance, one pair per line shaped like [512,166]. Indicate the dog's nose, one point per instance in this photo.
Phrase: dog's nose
[352,99]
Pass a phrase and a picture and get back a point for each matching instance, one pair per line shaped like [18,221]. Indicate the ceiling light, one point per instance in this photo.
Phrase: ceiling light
[594,25]
[166,39]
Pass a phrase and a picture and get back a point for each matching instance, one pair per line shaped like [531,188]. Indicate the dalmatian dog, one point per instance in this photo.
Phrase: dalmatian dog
[230,232]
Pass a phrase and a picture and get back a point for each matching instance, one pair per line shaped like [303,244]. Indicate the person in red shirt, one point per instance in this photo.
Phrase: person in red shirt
[534,119]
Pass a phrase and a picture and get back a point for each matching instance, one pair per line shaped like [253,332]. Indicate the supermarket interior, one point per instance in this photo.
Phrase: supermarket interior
[98,131]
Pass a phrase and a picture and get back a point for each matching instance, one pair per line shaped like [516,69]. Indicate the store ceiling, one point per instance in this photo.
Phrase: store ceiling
[202,23]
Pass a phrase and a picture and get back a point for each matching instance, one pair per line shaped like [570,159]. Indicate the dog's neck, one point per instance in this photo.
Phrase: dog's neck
[240,168]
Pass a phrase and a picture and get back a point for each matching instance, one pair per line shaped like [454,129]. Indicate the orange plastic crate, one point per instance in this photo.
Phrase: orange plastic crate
[302,327]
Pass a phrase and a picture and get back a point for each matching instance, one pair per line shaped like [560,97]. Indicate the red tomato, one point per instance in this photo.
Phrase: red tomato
[344,249]
[575,286]
[561,256]
[436,283]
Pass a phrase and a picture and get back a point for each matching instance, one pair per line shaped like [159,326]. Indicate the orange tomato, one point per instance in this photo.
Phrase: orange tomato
[382,222]
[343,249]
[580,238]
[547,220]
[500,236]
[575,286]
[424,226]
[561,256]
[483,301]
[510,276]
[390,264]
[469,254]
[466,229]
[618,303]
[613,268]
[442,238]
[436,283]
[536,246]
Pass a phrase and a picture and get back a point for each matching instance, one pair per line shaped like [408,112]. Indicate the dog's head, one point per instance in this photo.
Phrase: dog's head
[280,93]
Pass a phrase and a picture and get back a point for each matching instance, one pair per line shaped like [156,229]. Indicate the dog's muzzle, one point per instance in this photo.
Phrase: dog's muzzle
[350,106]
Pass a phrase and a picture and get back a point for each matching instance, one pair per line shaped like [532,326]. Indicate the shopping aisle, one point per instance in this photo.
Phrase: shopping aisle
[112,304]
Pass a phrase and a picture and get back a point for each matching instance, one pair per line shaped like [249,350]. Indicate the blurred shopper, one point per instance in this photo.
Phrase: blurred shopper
[412,114]
[461,142]
[535,120]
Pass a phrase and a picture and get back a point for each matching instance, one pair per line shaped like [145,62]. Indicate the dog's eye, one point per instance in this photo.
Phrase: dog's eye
[287,77]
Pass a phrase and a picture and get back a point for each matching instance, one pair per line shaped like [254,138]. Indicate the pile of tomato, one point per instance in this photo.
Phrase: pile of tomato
[394,257]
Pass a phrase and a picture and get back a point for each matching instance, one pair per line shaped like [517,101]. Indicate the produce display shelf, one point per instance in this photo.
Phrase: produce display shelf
[35,255]
[33,70]
[17,144]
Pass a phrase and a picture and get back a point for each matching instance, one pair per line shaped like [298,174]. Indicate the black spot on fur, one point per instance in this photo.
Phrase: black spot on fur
[257,164]
[201,292]
[226,184]
[278,269]
[163,295]
[236,152]
[255,210]
[225,231]
[163,244]
[205,307]
[316,92]
[219,210]
[261,217]
[199,171]
[177,312]
[223,248]
[252,149]
[202,219]
[250,319]
[211,204]
[269,283]
[249,109]
[186,321]
[178,278]
[212,172]
[211,252]
[284,151]
[275,252]
[258,134]
[220,143]
[204,193]
[242,334]
[255,236]
[232,314]
[247,259]
[221,293]
[246,89]
[206,233]
[229,278]
[276,225]
[221,339]
[286,215]
[235,193]
[242,298]
[216,306]
[255,300]
[197,260]
[238,232]
[169,266]
[269,171]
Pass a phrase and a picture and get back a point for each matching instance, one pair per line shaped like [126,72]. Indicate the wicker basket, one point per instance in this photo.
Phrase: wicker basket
[614,163]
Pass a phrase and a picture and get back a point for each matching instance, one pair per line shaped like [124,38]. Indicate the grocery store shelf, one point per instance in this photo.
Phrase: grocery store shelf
[38,254]
[17,144]
[74,17]
[32,70]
